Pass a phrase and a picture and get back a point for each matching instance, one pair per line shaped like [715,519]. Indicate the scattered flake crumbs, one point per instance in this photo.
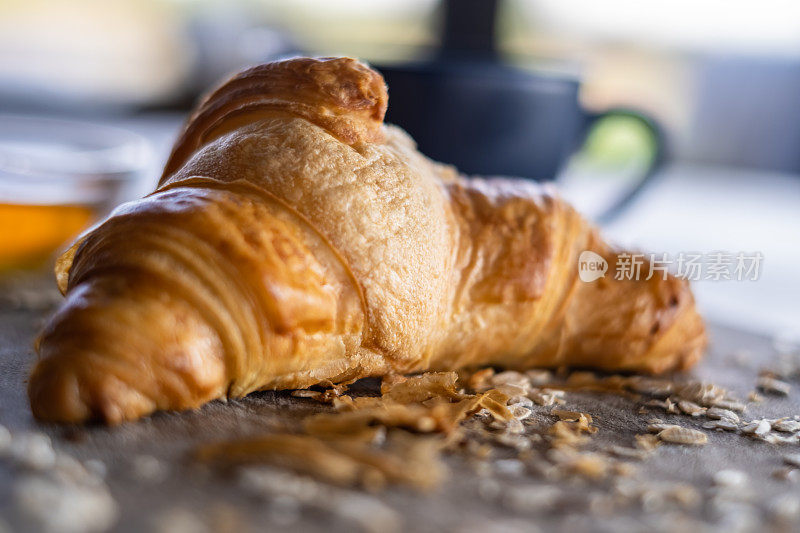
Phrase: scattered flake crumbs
[682,435]
[771,385]
[514,425]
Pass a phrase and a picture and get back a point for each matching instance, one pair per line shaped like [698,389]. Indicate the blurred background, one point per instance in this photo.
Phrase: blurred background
[92,93]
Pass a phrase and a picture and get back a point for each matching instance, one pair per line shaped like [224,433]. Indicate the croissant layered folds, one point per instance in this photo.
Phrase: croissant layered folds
[295,240]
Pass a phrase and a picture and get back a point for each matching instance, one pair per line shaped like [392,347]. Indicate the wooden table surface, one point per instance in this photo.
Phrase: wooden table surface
[156,486]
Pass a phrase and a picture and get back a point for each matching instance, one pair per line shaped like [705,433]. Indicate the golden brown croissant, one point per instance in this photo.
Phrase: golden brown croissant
[295,239]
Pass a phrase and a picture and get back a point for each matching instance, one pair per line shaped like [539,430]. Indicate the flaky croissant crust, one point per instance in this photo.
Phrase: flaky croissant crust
[295,239]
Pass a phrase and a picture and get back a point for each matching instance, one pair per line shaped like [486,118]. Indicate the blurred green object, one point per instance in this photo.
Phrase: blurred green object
[618,141]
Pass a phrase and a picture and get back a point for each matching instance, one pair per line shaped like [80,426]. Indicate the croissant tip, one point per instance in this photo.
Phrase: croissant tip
[73,395]
[55,397]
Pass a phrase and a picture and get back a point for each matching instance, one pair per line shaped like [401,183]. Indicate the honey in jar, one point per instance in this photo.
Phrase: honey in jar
[56,178]
[31,234]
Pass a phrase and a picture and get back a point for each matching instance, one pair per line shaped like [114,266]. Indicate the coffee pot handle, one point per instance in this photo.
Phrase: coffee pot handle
[645,176]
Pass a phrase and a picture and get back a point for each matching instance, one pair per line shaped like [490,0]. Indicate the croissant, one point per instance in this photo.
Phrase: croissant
[294,239]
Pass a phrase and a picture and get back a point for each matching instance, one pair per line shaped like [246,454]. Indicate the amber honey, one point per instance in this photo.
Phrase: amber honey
[56,178]
[30,234]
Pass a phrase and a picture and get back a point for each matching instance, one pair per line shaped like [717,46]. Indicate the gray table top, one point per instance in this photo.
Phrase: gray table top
[156,486]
